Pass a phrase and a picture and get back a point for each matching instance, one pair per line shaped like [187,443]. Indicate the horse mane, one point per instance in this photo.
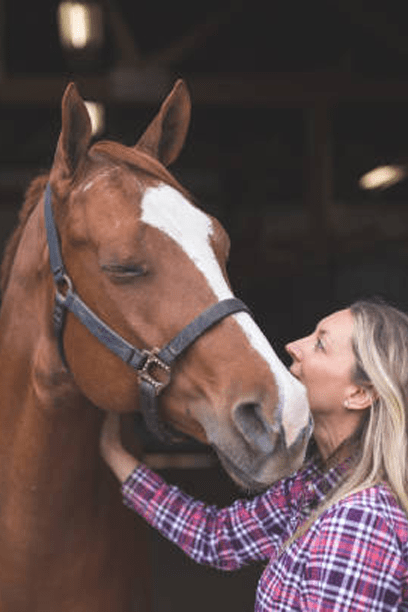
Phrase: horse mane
[31,198]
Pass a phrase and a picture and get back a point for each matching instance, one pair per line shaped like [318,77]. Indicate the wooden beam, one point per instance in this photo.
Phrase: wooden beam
[128,52]
[47,91]
[250,90]
[196,37]
[291,89]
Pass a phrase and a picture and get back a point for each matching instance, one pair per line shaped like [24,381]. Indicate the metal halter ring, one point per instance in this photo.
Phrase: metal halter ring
[147,371]
[64,287]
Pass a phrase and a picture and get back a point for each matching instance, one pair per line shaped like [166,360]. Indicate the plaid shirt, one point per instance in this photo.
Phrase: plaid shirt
[353,558]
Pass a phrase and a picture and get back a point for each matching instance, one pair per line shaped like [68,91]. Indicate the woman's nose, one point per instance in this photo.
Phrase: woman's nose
[294,350]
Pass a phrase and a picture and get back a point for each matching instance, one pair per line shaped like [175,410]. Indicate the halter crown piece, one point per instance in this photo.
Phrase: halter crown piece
[145,362]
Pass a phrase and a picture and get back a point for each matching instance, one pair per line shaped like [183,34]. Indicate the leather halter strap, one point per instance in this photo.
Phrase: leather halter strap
[147,363]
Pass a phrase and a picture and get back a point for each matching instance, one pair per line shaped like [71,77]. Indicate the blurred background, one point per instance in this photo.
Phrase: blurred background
[298,144]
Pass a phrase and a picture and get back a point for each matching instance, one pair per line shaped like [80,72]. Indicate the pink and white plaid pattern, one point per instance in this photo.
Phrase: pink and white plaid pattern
[354,558]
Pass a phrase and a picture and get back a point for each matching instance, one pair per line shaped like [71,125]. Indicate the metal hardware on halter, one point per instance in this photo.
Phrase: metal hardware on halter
[142,360]
[146,372]
[64,280]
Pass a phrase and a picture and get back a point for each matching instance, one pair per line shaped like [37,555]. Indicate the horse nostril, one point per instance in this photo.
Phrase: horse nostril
[249,419]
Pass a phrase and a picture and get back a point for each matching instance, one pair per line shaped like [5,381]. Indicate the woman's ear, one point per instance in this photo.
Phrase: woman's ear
[360,397]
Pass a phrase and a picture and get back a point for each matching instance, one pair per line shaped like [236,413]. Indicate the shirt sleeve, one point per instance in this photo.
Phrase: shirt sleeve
[228,538]
[355,564]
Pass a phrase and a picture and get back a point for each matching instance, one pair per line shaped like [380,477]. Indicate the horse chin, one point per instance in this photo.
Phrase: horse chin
[261,475]
[239,476]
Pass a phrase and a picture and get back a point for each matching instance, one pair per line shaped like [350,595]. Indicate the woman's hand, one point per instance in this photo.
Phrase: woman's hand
[119,460]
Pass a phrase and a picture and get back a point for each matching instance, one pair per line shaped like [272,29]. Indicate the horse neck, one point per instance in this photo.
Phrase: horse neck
[48,429]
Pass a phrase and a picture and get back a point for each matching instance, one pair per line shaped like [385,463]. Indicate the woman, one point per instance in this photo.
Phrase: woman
[334,534]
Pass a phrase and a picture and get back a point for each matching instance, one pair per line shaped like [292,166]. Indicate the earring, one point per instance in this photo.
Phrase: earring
[346,403]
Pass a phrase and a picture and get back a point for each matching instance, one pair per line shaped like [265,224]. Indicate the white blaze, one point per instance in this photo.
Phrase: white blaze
[165,208]
[169,211]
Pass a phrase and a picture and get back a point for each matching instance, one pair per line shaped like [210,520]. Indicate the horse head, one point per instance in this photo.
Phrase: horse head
[147,261]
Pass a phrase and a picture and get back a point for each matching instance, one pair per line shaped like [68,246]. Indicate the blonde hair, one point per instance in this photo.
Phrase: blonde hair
[380,345]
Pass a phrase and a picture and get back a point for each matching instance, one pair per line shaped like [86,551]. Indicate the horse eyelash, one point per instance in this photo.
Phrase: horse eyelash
[123,271]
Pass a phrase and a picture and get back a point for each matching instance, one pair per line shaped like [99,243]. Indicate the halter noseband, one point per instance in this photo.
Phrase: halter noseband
[145,362]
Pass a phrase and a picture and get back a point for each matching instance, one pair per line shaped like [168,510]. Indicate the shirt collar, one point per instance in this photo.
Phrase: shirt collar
[320,478]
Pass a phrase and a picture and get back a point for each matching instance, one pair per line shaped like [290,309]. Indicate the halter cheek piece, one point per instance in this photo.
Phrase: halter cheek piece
[146,362]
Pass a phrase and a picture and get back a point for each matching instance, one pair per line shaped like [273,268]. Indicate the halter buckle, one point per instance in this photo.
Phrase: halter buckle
[152,366]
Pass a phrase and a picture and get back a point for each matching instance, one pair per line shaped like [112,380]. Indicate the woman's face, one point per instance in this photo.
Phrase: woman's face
[324,363]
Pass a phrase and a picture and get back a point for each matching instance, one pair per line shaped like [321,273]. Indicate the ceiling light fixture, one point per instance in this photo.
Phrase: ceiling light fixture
[80,25]
[383,177]
[96,112]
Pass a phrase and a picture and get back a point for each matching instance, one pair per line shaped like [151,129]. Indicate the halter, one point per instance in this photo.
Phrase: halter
[147,363]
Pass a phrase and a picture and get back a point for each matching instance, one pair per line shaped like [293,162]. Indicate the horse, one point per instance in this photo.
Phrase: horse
[110,261]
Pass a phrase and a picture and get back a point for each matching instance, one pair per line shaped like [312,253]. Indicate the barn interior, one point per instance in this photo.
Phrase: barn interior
[294,104]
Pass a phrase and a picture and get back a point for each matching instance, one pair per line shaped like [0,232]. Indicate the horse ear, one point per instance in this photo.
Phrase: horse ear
[75,135]
[165,136]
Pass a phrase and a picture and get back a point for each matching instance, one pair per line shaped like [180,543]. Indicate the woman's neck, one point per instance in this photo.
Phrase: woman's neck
[335,439]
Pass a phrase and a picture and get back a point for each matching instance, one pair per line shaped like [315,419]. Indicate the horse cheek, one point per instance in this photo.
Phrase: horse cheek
[101,376]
